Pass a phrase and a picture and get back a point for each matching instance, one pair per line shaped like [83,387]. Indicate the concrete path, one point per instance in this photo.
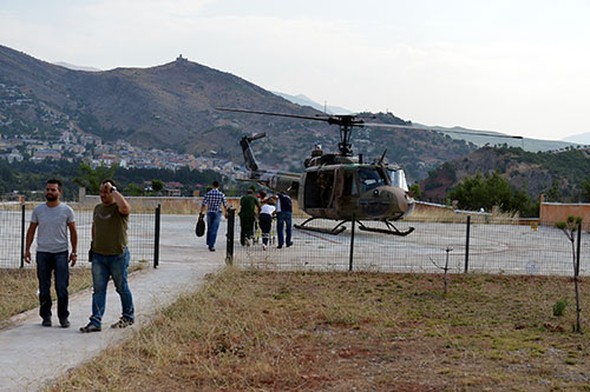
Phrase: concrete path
[31,356]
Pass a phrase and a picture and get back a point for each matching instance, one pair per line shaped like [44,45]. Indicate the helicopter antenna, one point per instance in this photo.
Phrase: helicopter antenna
[382,157]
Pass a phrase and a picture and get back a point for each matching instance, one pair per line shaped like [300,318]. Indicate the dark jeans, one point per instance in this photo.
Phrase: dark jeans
[246,228]
[103,268]
[265,222]
[57,264]
[284,224]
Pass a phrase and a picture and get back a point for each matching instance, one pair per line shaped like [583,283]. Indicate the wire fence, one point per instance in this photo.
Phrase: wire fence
[459,246]
[482,246]
[15,219]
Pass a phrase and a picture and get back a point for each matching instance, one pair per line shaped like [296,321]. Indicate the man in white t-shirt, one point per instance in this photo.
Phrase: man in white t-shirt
[53,219]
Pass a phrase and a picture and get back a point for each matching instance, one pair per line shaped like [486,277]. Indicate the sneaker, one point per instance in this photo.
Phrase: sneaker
[211,249]
[46,322]
[264,247]
[123,322]
[65,323]
[289,244]
[247,241]
[280,247]
[90,328]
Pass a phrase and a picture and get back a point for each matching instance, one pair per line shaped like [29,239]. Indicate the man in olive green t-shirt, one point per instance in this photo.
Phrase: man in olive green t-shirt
[249,209]
[110,256]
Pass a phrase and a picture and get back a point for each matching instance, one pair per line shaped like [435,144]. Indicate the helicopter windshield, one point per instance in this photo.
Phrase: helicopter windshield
[371,178]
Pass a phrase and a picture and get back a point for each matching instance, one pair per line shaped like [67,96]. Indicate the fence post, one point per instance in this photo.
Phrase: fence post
[157,237]
[577,271]
[352,243]
[22,236]
[229,249]
[467,244]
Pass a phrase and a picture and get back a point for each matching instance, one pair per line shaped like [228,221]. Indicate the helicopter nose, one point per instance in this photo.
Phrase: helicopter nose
[405,203]
[410,206]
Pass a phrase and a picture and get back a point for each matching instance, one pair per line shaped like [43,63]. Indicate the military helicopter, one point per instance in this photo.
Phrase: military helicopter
[338,186]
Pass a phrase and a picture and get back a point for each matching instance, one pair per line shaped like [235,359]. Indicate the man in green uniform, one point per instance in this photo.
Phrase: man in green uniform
[249,207]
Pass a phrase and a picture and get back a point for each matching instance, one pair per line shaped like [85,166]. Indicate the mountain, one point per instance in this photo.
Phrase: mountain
[581,138]
[482,138]
[560,175]
[302,100]
[173,106]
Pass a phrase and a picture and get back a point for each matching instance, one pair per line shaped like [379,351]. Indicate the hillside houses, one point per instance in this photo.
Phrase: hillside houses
[71,146]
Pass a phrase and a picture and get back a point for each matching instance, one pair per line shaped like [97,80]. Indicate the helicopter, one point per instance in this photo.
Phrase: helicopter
[337,186]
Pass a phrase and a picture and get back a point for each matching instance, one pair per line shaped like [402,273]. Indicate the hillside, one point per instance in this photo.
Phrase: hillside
[557,174]
[172,106]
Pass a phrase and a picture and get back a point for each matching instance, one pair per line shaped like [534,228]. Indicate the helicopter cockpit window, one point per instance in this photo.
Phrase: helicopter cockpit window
[370,178]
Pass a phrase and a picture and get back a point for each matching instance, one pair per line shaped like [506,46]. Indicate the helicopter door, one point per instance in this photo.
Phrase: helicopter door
[311,191]
[326,184]
[318,190]
[345,183]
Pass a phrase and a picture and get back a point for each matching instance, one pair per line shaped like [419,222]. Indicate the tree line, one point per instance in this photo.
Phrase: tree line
[28,179]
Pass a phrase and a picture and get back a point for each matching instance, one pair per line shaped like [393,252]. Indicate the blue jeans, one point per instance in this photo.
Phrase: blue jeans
[103,268]
[213,221]
[284,223]
[57,263]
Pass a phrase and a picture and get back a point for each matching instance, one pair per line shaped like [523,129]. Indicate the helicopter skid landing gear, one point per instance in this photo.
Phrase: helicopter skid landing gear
[339,228]
[390,230]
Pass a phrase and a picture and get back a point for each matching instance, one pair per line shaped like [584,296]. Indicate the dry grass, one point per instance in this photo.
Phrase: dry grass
[19,290]
[264,331]
[449,215]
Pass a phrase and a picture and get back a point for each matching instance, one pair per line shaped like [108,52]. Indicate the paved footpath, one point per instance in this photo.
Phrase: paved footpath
[32,356]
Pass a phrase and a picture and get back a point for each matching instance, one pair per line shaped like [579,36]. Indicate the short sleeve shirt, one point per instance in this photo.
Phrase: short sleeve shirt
[214,199]
[248,204]
[110,230]
[52,227]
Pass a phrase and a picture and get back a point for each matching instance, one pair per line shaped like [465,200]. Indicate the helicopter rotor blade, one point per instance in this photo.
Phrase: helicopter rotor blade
[316,118]
[411,127]
[342,120]
[348,120]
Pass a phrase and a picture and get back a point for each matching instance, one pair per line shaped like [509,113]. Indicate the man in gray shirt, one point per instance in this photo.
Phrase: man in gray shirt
[53,219]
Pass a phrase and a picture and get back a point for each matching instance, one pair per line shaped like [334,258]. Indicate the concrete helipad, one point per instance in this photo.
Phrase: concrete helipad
[31,356]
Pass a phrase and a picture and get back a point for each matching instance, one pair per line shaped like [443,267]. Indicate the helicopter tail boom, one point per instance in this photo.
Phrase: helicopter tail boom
[275,180]
[249,158]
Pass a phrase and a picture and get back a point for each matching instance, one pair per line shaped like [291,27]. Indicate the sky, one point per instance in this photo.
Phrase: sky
[520,67]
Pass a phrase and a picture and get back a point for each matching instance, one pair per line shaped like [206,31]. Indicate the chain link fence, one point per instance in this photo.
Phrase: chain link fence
[15,219]
[459,246]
